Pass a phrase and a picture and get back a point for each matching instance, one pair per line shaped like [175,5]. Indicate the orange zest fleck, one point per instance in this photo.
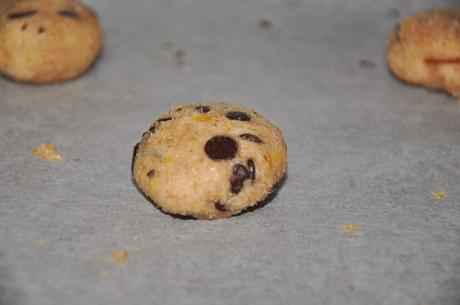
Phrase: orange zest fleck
[118,256]
[47,152]
[202,118]
[350,228]
[438,195]
[442,61]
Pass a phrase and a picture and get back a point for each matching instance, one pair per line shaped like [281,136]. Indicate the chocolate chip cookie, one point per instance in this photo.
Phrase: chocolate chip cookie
[209,160]
[424,49]
[47,41]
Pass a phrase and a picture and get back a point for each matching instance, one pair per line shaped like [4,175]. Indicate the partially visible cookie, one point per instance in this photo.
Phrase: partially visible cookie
[47,41]
[209,160]
[424,49]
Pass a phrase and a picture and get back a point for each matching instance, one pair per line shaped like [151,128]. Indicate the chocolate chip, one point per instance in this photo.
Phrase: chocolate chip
[251,137]
[19,15]
[202,109]
[252,169]
[237,115]
[151,173]
[41,30]
[152,129]
[178,109]
[239,174]
[220,206]
[70,14]
[24,27]
[136,147]
[221,148]
[164,119]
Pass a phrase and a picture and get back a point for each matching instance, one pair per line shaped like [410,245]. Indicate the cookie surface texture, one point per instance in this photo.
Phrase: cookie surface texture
[47,41]
[209,160]
[424,49]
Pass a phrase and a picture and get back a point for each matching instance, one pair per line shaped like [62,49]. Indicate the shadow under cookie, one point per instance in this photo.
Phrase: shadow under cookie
[269,198]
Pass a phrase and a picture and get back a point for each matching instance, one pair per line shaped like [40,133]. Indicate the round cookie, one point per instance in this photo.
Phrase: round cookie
[424,49]
[47,41]
[209,160]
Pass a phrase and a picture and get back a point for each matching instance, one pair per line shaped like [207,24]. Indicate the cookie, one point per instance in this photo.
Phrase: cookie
[209,160]
[424,49]
[47,41]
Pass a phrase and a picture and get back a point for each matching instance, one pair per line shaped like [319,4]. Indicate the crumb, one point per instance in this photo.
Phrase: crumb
[355,125]
[438,195]
[365,63]
[167,46]
[179,56]
[394,13]
[47,152]
[104,274]
[40,242]
[265,24]
[350,286]
[118,256]
[350,229]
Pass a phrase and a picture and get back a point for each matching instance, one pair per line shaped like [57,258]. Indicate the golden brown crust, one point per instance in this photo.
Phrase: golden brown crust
[47,41]
[180,166]
[424,49]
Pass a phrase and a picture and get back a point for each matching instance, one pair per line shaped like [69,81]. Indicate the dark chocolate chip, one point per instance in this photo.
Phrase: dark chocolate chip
[136,147]
[19,15]
[178,109]
[152,129]
[164,119]
[151,173]
[24,27]
[251,137]
[220,206]
[202,109]
[237,115]
[221,148]
[252,170]
[41,30]
[240,171]
[239,174]
[70,14]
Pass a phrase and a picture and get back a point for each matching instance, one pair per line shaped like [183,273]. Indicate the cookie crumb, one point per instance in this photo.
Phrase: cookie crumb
[47,152]
[355,125]
[368,64]
[167,46]
[350,229]
[119,256]
[104,274]
[179,56]
[40,242]
[350,286]
[394,13]
[438,195]
[265,24]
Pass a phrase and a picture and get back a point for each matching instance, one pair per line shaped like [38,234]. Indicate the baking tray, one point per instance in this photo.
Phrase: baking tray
[364,149]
